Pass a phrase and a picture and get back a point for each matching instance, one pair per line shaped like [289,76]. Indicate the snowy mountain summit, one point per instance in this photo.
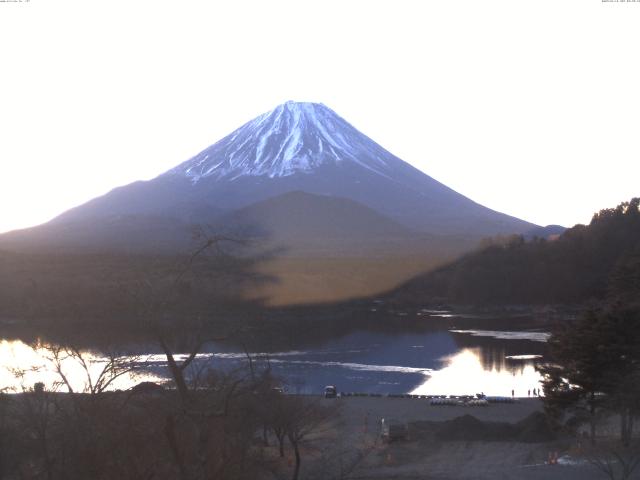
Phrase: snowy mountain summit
[299,147]
[295,137]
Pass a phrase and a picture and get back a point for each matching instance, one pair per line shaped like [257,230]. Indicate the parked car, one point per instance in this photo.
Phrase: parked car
[330,391]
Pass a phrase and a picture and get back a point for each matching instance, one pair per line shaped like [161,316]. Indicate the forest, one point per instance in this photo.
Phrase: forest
[579,266]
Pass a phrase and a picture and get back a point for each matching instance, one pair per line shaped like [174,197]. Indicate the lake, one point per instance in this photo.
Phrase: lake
[446,354]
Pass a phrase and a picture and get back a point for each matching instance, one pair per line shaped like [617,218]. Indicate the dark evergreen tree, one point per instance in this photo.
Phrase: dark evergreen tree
[594,368]
[573,379]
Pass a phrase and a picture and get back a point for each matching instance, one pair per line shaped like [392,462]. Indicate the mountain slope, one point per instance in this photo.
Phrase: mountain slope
[304,147]
[302,216]
[294,221]
[330,248]
[133,233]
[318,248]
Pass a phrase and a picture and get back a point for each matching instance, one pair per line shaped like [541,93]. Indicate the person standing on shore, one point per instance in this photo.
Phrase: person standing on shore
[512,393]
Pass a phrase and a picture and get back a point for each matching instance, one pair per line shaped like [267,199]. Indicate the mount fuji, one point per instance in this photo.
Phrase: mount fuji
[349,217]
[300,147]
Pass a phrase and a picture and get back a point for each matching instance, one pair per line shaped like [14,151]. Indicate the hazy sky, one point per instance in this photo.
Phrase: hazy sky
[528,107]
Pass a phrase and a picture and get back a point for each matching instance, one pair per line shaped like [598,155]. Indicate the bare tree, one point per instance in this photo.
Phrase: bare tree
[277,418]
[614,459]
[304,418]
[166,306]
[98,372]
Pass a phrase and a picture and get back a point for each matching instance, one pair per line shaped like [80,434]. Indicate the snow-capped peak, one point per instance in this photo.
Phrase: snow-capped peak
[295,137]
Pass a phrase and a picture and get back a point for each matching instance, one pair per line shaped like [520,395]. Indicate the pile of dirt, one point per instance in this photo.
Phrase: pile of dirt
[469,428]
[534,428]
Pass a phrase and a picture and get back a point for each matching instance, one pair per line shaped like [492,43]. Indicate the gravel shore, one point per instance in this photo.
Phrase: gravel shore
[364,456]
[412,410]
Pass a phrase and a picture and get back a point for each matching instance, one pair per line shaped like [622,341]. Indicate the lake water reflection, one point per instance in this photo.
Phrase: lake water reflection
[444,360]
[23,365]
[465,373]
